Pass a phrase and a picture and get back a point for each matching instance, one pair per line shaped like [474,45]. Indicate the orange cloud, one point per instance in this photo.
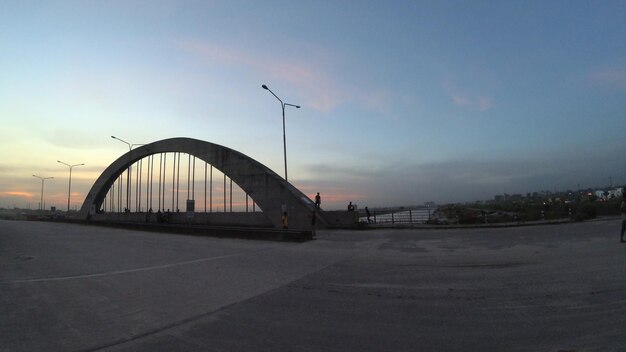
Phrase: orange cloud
[333,198]
[17,194]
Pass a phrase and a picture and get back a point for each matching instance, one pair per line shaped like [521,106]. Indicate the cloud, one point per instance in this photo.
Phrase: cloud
[314,82]
[482,103]
[459,96]
[377,100]
[309,79]
[611,77]
[19,194]
[390,181]
[74,138]
[335,195]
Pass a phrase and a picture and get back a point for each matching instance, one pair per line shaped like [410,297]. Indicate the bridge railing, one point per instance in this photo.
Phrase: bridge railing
[401,216]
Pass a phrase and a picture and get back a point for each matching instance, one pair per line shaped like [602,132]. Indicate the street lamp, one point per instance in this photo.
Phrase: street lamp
[130,147]
[282,105]
[42,181]
[69,187]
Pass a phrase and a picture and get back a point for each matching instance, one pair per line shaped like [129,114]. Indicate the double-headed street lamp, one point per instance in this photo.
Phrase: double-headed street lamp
[69,188]
[42,181]
[130,147]
[282,105]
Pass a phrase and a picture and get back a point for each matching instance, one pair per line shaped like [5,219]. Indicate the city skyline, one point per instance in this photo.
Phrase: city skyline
[402,103]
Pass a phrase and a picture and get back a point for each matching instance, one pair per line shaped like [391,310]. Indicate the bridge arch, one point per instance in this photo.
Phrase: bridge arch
[263,185]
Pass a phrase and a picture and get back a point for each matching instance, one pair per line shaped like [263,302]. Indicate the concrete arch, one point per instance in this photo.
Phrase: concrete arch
[263,185]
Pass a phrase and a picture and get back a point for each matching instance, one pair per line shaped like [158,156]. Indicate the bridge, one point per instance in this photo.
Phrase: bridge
[141,184]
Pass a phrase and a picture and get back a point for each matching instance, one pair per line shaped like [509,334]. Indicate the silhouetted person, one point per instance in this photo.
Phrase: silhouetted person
[350,207]
[318,200]
[367,213]
[285,220]
[159,216]
[623,210]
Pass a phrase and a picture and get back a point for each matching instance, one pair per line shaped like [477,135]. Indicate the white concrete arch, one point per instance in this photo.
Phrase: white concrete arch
[263,185]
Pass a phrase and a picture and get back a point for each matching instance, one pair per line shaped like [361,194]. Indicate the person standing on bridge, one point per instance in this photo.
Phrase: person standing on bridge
[623,210]
[318,200]
[285,220]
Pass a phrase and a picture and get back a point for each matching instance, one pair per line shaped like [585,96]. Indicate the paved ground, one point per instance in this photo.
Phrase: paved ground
[555,288]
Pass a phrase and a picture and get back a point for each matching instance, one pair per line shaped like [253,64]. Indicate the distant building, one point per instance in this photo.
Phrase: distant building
[609,194]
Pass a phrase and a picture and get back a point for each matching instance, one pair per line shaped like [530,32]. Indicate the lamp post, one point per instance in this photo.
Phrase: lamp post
[69,187]
[130,147]
[42,181]
[282,105]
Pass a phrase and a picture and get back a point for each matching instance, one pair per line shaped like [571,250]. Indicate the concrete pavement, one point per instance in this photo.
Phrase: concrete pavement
[70,287]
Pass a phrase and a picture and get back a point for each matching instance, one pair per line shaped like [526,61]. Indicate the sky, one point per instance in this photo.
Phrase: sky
[403,102]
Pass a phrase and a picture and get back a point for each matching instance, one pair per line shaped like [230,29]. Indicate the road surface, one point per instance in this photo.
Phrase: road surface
[66,287]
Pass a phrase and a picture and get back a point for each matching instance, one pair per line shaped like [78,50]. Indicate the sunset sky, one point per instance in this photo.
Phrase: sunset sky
[403,102]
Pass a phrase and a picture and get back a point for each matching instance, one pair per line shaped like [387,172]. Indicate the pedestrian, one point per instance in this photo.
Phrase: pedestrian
[367,212]
[318,200]
[285,220]
[350,207]
[623,210]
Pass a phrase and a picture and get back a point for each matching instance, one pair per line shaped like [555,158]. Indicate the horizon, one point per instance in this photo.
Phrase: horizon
[401,103]
[240,205]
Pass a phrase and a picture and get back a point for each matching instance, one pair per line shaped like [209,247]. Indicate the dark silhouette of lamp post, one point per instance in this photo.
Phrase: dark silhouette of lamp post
[69,187]
[42,181]
[130,147]
[282,105]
